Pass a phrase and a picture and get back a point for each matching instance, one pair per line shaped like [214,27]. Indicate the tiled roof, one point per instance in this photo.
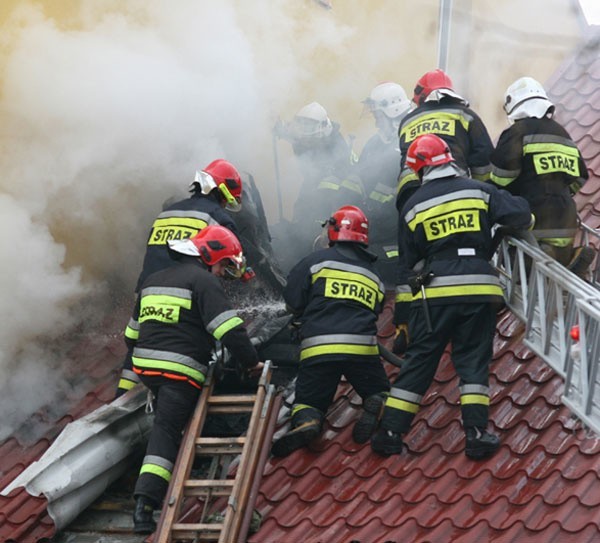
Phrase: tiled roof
[24,518]
[542,485]
[575,89]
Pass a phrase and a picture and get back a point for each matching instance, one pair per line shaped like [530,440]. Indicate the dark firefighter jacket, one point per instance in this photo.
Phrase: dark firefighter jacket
[336,296]
[180,312]
[536,159]
[460,127]
[180,220]
[379,167]
[446,226]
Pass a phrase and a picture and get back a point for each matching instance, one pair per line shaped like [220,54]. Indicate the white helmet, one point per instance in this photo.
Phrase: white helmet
[526,97]
[389,98]
[312,121]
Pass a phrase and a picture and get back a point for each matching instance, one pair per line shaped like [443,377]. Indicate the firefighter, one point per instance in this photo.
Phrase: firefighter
[336,295]
[537,159]
[216,188]
[327,165]
[442,111]
[445,227]
[182,310]
[379,167]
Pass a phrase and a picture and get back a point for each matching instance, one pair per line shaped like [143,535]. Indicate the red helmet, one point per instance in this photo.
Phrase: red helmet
[213,244]
[428,150]
[348,223]
[223,176]
[430,81]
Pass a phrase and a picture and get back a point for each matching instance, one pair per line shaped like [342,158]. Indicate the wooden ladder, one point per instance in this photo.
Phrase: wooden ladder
[241,490]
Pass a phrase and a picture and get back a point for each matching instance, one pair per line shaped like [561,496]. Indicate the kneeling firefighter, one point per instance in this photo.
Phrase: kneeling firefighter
[336,295]
[182,311]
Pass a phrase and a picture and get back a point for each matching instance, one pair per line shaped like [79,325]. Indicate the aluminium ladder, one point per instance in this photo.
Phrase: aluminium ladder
[239,491]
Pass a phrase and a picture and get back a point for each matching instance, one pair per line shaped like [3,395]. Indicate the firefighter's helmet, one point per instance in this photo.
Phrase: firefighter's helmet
[389,98]
[312,121]
[223,176]
[213,244]
[434,80]
[428,150]
[526,97]
[348,223]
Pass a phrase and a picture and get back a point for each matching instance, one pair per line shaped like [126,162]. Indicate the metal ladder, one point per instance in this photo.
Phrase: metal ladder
[238,494]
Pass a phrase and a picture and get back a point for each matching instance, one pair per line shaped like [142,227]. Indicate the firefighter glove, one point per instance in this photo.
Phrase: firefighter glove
[401,339]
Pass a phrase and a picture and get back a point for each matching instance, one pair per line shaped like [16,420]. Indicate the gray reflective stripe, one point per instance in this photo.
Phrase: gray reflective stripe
[168,291]
[405,395]
[555,233]
[130,376]
[169,356]
[158,461]
[341,266]
[220,319]
[473,279]
[548,138]
[499,172]
[326,339]
[188,214]
[133,324]
[478,170]
[475,389]
[403,289]
[444,198]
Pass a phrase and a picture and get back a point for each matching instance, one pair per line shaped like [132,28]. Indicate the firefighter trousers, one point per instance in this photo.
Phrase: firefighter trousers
[174,405]
[470,328]
[317,381]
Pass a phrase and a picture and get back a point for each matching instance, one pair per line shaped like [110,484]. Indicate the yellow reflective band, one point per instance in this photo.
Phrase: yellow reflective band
[462,290]
[300,407]
[437,212]
[174,228]
[351,185]
[557,242]
[328,185]
[228,325]
[162,308]
[470,399]
[502,181]
[380,197]
[350,290]
[404,297]
[529,148]
[168,367]
[402,405]
[407,179]
[392,254]
[439,122]
[553,157]
[156,470]
[130,333]
[339,348]
[481,176]
[126,384]
[339,275]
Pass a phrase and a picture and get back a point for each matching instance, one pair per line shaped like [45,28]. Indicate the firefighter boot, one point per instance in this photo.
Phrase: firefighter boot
[143,521]
[581,261]
[480,443]
[368,421]
[385,442]
[306,426]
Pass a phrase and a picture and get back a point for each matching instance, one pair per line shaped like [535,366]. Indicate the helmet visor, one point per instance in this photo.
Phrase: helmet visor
[235,267]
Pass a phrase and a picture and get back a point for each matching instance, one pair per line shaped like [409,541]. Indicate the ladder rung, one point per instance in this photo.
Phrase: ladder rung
[191,531]
[201,487]
[218,450]
[229,409]
[232,399]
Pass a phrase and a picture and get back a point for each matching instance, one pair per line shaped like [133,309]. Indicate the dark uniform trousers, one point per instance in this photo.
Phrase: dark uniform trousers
[470,327]
[174,405]
[317,381]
